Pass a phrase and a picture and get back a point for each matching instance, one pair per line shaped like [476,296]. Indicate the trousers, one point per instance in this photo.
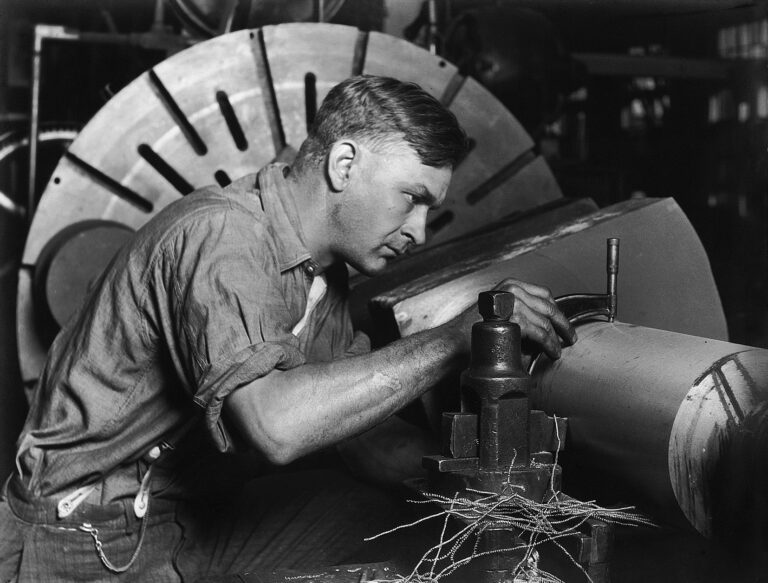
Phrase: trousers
[303,520]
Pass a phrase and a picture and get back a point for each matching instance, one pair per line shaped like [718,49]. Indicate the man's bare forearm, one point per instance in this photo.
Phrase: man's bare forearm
[291,413]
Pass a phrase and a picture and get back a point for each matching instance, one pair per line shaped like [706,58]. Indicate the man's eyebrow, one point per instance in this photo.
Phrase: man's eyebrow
[425,196]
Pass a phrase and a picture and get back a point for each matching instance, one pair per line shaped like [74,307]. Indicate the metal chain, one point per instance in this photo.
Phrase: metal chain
[94,532]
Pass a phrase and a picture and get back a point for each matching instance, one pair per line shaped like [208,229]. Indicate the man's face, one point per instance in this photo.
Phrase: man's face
[382,212]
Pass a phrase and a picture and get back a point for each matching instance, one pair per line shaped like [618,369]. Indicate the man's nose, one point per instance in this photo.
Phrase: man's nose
[415,228]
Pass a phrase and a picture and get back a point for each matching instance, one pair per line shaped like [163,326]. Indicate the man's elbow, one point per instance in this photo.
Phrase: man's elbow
[263,429]
[278,446]
[278,454]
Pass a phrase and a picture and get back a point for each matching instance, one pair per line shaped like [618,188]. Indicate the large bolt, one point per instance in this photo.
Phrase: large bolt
[495,305]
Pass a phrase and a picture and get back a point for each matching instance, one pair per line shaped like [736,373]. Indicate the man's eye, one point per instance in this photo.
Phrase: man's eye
[411,198]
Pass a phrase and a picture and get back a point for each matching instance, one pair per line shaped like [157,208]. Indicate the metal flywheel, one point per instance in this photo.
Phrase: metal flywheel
[224,108]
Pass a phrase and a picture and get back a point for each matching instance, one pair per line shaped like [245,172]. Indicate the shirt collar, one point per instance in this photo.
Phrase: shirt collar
[278,202]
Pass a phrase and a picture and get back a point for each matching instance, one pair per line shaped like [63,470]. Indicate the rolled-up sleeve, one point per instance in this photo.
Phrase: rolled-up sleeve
[230,318]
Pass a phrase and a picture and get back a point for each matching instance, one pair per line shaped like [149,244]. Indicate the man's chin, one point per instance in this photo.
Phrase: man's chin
[371,267]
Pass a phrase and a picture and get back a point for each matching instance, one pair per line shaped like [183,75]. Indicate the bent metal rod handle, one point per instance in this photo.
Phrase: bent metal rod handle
[579,307]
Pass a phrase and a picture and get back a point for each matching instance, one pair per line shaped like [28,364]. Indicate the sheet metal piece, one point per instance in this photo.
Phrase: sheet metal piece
[666,281]
[651,407]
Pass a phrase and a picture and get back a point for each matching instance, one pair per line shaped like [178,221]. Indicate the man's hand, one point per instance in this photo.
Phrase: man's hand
[539,317]
[537,314]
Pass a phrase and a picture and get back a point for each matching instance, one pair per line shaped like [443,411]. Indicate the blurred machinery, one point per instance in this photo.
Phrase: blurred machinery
[209,18]
[518,54]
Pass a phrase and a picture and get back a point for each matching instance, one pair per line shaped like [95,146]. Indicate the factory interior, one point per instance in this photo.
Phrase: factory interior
[618,156]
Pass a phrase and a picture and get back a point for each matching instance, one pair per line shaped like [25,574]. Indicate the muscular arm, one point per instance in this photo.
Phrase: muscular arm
[287,414]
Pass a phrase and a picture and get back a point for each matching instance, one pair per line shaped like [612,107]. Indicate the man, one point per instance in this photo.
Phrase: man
[222,327]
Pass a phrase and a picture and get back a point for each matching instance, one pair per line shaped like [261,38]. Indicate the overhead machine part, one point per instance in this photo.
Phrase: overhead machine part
[224,108]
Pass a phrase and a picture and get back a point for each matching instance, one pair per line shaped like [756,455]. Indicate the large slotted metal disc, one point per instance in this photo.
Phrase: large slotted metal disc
[224,108]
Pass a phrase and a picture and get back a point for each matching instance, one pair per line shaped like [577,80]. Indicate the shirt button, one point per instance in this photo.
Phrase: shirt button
[309,268]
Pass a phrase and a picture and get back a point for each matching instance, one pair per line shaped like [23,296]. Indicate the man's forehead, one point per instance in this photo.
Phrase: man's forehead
[428,182]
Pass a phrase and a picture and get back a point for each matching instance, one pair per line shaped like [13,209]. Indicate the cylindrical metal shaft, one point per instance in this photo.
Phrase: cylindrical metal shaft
[612,268]
[652,408]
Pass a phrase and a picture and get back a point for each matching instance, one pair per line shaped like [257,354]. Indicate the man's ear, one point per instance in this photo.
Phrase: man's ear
[341,158]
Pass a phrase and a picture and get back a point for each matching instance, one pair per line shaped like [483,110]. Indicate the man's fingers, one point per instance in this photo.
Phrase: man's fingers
[539,317]
[564,328]
[549,317]
[530,288]
[538,328]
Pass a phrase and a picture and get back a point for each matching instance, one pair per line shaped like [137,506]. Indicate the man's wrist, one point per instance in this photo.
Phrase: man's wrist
[456,335]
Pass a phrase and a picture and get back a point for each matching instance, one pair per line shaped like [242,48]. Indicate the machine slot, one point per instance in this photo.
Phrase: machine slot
[222,178]
[310,98]
[440,221]
[165,169]
[500,177]
[178,116]
[452,89]
[361,50]
[264,74]
[233,124]
[113,185]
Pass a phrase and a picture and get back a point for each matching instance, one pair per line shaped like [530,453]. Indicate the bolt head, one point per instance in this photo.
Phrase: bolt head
[496,305]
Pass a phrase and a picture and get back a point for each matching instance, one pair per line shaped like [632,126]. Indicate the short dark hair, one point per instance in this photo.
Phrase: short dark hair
[379,110]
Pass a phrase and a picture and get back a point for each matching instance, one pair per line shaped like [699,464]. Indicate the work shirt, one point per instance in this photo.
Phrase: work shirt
[203,300]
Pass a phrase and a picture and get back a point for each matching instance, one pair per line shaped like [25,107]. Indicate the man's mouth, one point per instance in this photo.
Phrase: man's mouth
[397,251]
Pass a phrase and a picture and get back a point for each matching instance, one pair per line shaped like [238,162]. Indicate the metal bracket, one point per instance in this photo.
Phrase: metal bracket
[580,307]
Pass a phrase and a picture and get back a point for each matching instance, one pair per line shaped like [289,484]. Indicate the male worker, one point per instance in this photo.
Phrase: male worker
[222,327]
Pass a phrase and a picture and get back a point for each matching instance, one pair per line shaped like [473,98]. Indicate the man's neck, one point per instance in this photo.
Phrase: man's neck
[310,194]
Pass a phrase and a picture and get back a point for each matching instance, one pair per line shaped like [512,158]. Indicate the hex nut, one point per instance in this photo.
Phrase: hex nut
[496,304]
